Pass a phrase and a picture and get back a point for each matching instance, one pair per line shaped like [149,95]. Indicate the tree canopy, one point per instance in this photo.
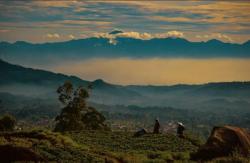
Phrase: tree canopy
[76,115]
[7,123]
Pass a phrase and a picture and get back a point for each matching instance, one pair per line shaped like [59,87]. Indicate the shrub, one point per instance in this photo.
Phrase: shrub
[153,155]
[7,123]
[181,156]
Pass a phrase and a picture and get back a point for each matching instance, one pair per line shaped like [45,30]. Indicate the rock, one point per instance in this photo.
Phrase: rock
[222,142]
[9,153]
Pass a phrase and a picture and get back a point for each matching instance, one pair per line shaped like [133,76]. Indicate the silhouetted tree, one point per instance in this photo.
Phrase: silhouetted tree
[76,115]
[7,123]
[93,119]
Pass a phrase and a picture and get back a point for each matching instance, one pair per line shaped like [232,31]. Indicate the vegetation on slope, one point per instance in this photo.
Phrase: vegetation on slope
[99,146]
[124,147]
[42,146]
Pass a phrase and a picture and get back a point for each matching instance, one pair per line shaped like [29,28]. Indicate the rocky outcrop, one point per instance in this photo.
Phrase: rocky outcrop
[10,153]
[223,141]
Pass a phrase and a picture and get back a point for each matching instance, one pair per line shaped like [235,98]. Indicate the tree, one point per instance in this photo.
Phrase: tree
[76,115]
[94,120]
[7,123]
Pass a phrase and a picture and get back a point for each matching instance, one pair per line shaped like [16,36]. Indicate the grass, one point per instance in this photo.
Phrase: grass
[49,145]
[124,147]
[107,146]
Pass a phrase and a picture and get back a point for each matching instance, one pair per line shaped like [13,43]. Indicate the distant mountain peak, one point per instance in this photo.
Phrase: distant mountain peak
[21,43]
[247,42]
[98,82]
[215,41]
[115,32]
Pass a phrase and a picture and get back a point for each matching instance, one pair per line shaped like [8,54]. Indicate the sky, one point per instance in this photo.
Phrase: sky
[55,21]
[45,21]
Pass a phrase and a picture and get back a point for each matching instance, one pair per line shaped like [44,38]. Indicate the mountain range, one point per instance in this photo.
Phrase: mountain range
[125,47]
[18,80]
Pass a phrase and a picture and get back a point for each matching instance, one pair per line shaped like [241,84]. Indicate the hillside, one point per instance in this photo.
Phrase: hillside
[100,146]
[93,146]
[14,74]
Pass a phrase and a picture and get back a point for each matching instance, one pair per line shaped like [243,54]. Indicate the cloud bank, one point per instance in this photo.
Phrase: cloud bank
[136,35]
[53,35]
[158,71]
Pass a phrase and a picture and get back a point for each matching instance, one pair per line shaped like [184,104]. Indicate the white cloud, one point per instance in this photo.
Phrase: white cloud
[223,36]
[169,34]
[84,35]
[53,35]
[219,36]
[137,35]
[198,36]
[71,36]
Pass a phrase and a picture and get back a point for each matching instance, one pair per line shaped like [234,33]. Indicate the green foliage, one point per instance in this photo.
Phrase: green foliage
[153,155]
[106,146]
[194,139]
[235,157]
[124,147]
[52,147]
[181,156]
[94,120]
[125,142]
[7,123]
[76,115]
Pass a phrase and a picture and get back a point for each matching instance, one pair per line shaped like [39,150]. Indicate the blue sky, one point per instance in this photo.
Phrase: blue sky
[49,21]
[55,21]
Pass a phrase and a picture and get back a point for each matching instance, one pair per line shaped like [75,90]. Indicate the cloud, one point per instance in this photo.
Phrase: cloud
[137,35]
[143,17]
[219,36]
[53,35]
[174,34]
[158,71]
[71,36]
[85,35]
[53,3]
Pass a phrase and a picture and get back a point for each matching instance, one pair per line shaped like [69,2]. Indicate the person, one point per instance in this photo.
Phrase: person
[180,130]
[156,127]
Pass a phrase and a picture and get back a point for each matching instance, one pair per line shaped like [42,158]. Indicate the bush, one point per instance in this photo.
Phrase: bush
[194,139]
[7,123]
[181,156]
[154,155]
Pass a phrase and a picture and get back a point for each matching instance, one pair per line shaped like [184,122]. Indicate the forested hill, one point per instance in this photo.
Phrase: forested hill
[15,74]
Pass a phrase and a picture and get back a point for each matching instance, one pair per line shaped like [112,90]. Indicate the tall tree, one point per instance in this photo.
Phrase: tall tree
[7,122]
[76,115]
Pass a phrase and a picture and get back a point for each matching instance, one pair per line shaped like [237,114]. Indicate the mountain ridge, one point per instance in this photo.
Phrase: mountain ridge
[94,47]
[168,38]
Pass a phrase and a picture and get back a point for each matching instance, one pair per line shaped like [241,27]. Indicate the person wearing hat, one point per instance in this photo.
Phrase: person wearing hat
[180,130]
[156,127]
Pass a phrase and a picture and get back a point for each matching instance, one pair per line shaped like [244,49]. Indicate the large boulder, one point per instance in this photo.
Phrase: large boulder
[10,153]
[223,141]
